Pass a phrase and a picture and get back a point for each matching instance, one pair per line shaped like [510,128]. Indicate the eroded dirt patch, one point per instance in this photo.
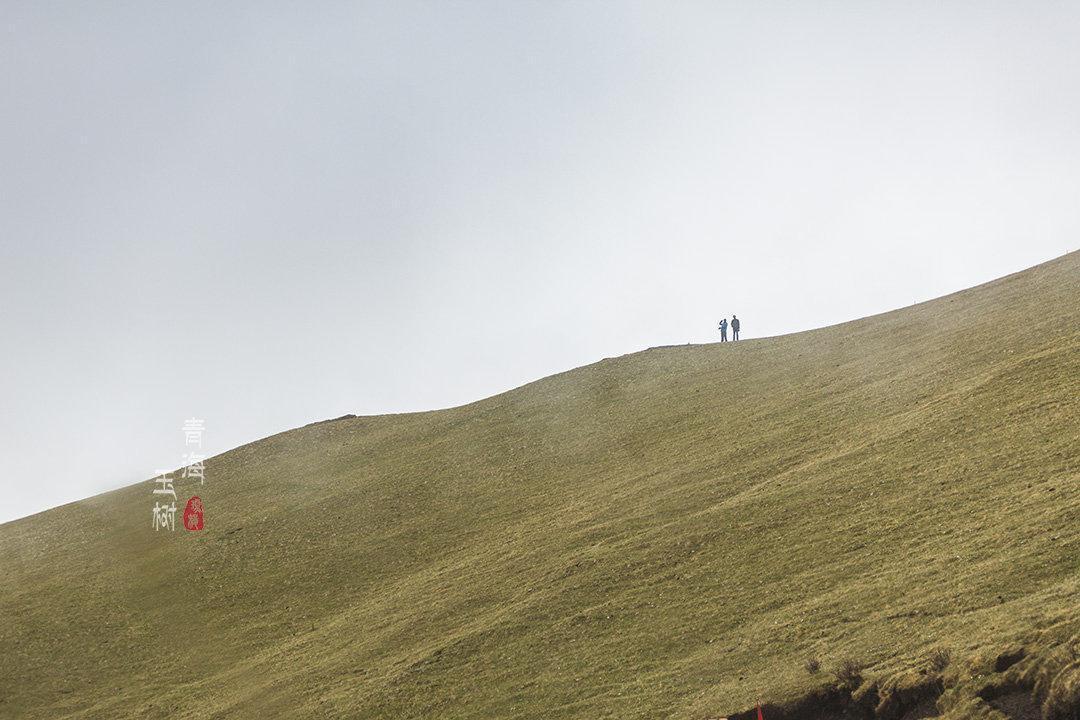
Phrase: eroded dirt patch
[925,709]
[1013,701]
[913,700]
[831,703]
[1007,659]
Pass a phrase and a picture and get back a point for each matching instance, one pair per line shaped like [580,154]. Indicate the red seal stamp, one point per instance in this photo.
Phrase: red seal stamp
[193,514]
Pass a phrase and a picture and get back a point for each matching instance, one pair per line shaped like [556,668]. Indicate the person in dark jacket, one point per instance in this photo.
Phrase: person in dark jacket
[734,328]
[723,330]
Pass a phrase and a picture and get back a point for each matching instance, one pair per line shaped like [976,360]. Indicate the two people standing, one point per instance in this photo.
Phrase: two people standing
[734,328]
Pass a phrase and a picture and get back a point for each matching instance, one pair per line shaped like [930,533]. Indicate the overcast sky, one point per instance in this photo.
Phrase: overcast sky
[265,214]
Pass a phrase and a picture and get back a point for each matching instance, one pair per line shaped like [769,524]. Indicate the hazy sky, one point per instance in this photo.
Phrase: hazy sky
[264,214]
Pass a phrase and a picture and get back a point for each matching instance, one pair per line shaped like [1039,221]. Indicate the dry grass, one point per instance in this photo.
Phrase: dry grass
[1063,699]
[848,673]
[939,659]
[665,534]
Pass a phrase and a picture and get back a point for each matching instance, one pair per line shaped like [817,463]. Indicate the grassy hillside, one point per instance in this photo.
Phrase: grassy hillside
[673,533]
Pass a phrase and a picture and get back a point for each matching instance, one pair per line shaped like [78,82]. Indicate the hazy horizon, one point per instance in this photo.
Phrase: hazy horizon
[265,216]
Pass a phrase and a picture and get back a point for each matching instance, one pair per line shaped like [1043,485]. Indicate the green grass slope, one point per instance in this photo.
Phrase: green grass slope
[672,533]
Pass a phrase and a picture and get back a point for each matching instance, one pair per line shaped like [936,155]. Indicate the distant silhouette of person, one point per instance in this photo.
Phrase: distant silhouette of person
[734,327]
[723,330]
